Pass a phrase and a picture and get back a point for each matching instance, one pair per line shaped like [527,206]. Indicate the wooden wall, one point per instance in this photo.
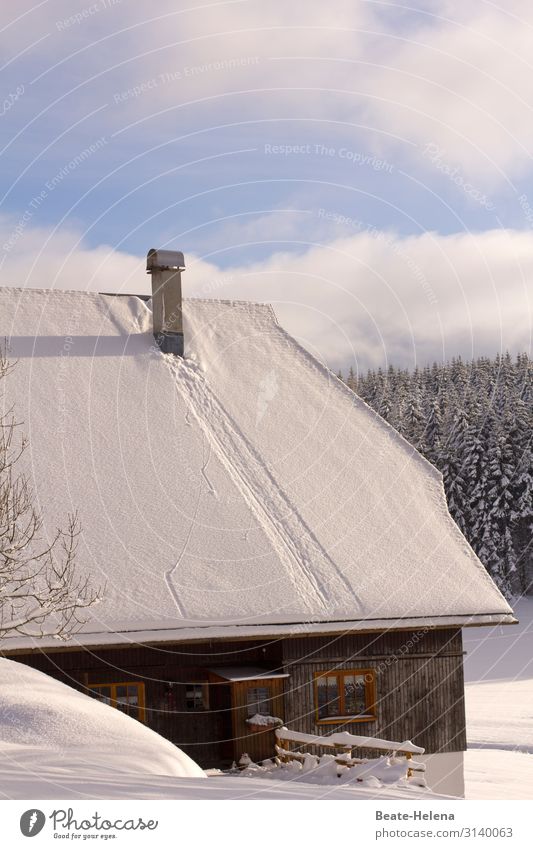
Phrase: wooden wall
[206,737]
[419,682]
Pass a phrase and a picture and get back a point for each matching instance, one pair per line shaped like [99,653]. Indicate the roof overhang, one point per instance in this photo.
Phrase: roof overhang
[293,630]
[235,674]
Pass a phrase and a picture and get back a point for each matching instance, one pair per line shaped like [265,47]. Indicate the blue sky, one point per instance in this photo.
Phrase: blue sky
[365,166]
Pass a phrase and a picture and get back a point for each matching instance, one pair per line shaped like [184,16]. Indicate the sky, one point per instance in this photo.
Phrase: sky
[364,166]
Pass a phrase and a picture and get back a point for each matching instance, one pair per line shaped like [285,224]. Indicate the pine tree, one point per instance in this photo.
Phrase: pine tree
[501,514]
[451,462]
[433,433]
[474,421]
[351,380]
[413,419]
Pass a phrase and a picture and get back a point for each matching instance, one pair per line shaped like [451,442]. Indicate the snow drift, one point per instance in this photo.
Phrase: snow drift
[48,728]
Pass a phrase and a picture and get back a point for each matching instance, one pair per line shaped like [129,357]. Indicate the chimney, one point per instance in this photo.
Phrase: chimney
[165,268]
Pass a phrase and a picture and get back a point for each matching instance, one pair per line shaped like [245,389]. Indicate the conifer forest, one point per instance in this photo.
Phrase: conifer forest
[473,421]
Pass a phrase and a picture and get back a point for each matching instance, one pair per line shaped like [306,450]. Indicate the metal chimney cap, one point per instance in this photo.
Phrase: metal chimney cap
[157,259]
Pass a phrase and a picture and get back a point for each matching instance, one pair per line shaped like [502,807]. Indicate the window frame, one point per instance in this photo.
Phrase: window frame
[205,697]
[370,696]
[267,700]
[141,706]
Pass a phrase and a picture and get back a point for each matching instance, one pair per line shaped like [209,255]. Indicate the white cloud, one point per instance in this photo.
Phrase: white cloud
[372,297]
[464,81]
[459,75]
[377,297]
[59,259]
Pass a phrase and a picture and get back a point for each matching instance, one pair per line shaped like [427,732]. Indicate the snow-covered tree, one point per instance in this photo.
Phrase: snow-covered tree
[474,421]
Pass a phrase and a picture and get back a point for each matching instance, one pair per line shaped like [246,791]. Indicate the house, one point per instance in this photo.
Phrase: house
[268,544]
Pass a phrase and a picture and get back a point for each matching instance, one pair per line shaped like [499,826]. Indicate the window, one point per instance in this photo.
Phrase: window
[258,701]
[345,694]
[196,697]
[127,697]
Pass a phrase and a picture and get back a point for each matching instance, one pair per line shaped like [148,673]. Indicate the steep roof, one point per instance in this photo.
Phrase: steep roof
[241,490]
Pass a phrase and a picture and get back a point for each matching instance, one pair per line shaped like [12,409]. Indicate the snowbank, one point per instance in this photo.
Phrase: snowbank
[49,729]
[374,773]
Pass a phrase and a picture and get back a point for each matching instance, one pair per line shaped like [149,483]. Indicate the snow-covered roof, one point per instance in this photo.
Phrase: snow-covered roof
[243,487]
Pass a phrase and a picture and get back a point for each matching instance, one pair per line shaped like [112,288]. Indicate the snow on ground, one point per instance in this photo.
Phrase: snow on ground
[51,783]
[374,773]
[501,715]
[499,708]
[55,741]
[497,774]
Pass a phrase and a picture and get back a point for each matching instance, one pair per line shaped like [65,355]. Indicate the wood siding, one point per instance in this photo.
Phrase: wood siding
[419,686]
[207,736]
[418,678]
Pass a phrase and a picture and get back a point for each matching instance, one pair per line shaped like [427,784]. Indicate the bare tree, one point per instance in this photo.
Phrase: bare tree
[40,590]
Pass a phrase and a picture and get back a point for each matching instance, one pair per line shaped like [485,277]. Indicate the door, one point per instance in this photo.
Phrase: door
[263,696]
[221,703]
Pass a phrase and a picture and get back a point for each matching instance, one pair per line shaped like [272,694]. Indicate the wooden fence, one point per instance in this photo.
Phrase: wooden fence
[342,744]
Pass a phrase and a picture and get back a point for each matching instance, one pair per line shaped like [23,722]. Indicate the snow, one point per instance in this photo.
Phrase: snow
[498,724]
[55,740]
[54,785]
[58,743]
[267,721]
[344,738]
[374,773]
[498,774]
[172,635]
[499,705]
[246,673]
[212,500]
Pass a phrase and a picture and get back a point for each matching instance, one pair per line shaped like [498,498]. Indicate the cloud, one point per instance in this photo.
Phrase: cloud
[453,74]
[40,257]
[462,79]
[375,78]
[376,297]
[368,298]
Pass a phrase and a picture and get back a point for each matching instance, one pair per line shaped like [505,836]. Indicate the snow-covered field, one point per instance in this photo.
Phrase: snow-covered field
[499,709]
